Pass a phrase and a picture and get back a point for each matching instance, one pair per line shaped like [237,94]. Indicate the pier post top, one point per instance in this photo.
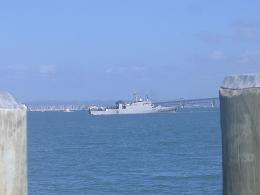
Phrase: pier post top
[243,81]
[7,101]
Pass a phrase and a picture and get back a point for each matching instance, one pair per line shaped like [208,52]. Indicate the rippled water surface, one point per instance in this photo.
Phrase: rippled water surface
[76,154]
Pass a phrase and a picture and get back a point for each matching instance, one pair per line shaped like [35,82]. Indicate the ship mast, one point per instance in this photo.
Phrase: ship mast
[135,97]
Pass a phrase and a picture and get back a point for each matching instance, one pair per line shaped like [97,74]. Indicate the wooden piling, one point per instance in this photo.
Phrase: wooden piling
[13,146]
[240,123]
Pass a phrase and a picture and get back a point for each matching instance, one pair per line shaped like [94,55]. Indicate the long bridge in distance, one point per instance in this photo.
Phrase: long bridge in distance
[191,103]
[179,103]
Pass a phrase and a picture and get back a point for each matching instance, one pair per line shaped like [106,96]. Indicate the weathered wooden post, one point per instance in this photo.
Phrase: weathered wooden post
[13,146]
[240,123]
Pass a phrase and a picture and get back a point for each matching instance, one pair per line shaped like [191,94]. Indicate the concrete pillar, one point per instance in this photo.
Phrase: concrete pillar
[240,123]
[13,146]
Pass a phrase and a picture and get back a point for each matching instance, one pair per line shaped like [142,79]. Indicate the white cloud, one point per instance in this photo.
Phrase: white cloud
[19,68]
[238,31]
[42,70]
[216,55]
[47,69]
[246,31]
[124,69]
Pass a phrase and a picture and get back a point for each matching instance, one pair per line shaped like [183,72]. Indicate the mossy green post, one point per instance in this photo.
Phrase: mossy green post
[240,123]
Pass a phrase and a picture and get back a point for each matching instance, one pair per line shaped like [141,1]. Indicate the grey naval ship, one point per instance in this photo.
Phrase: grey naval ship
[137,106]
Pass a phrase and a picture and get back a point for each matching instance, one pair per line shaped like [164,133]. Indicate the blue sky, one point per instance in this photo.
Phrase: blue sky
[104,50]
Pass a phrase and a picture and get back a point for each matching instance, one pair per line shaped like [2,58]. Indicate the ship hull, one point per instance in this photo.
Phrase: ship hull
[132,111]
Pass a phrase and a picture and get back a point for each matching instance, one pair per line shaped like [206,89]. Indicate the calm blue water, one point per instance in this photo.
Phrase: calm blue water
[76,154]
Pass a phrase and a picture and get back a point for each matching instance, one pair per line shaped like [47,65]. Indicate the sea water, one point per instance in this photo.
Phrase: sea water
[167,153]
